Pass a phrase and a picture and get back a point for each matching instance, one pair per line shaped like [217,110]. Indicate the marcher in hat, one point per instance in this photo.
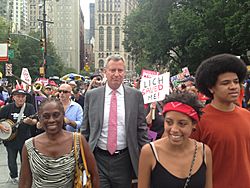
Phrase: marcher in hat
[17,111]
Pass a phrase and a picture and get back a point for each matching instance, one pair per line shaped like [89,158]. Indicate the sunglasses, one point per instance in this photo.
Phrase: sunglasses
[64,91]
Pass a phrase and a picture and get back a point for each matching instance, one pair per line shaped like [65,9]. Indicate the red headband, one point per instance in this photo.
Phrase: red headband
[180,107]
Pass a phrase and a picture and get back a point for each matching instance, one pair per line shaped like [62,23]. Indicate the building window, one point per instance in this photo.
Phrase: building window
[110,17]
[109,39]
[111,5]
[101,39]
[118,19]
[117,39]
[99,19]
[99,5]
[107,19]
[115,19]
[107,5]
[102,5]
[102,19]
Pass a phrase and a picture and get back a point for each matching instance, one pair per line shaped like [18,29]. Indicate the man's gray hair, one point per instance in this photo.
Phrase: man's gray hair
[115,57]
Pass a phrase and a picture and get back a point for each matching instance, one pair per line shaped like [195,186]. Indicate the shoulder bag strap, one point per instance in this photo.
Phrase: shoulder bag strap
[75,151]
[83,156]
[20,115]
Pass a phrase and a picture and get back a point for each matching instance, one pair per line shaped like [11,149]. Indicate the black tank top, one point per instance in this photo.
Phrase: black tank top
[162,178]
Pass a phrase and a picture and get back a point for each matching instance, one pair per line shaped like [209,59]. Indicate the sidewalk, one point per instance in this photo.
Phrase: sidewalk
[4,171]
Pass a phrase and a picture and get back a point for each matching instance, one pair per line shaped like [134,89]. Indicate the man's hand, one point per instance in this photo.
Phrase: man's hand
[4,129]
[30,121]
[69,122]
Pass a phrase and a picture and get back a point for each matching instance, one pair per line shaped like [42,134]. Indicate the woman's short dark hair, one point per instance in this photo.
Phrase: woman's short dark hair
[187,98]
[49,100]
[209,70]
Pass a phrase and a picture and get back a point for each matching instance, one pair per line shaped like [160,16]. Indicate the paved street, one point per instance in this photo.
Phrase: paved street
[4,172]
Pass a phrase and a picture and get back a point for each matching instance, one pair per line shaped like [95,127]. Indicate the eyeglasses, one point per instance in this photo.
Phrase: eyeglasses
[64,91]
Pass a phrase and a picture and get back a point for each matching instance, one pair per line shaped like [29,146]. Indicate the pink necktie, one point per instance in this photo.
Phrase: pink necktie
[112,129]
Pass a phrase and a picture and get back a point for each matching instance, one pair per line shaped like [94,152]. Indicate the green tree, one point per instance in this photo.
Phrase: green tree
[4,27]
[182,33]
[28,53]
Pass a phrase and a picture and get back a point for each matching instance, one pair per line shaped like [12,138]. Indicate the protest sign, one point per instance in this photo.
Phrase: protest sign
[155,88]
[25,76]
[148,73]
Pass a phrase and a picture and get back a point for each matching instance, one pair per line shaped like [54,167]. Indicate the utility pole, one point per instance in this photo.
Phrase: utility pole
[44,21]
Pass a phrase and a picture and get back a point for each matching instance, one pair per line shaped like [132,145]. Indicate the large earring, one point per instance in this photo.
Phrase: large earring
[39,125]
[194,129]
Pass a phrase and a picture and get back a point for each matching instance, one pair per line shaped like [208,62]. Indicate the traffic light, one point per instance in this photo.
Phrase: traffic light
[42,44]
[9,41]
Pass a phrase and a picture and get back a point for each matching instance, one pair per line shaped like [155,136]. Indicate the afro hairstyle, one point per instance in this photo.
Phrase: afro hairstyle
[208,71]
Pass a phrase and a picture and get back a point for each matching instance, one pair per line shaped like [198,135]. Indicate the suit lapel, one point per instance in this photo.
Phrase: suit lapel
[101,102]
[127,103]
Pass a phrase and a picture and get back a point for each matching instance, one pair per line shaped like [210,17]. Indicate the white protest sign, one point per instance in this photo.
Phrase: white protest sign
[155,88]
[148,73]
[25,76]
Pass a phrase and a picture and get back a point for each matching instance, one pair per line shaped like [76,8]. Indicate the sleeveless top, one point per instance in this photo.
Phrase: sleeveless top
[49,171]
[162,178]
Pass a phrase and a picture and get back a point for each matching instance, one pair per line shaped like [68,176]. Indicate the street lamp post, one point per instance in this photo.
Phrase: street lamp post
[44,29]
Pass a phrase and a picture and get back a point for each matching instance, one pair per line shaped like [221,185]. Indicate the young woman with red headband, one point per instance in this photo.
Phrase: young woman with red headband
[176,160]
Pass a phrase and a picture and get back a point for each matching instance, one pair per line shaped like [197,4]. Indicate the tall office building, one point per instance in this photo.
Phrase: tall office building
[109,16]
[35,11]
[15,12]
[65,31]
[4,8]
[91,22]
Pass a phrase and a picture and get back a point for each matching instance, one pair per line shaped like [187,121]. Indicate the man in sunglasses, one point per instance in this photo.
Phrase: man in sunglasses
[73,111]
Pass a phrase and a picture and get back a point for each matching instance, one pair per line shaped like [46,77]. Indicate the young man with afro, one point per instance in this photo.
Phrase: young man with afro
[224,126]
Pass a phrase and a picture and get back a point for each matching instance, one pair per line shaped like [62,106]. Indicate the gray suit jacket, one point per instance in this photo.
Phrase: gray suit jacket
[135,123]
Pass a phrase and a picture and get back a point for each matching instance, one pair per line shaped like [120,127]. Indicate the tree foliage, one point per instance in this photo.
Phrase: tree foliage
[182,33]
[28,54]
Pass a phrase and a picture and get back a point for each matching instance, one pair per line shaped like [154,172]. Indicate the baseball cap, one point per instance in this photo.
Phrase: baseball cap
[19,92]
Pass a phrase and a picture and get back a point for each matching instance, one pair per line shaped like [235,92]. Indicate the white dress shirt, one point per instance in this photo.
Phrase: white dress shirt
[121,131]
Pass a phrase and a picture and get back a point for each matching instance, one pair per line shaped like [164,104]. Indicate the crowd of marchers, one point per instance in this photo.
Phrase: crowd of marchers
[201,130]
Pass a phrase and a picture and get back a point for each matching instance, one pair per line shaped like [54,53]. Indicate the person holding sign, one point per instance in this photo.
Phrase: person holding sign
[155,119]
[176,160]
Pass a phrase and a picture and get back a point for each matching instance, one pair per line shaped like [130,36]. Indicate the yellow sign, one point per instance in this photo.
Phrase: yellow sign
[41,70]
[248,68]
[1,75]
[86,68]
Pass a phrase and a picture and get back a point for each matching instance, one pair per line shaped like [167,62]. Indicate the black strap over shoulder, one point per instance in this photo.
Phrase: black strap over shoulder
[152,148]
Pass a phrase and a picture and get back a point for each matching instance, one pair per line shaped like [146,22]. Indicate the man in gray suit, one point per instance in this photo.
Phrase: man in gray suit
[116,131]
